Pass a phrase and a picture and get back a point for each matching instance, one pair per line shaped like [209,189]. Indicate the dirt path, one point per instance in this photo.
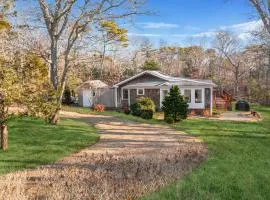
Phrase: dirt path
[130,159]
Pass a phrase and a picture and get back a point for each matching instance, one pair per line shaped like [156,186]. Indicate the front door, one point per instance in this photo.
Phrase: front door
[163,94]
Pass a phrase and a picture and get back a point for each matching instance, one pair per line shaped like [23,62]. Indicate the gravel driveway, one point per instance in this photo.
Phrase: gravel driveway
[130,160]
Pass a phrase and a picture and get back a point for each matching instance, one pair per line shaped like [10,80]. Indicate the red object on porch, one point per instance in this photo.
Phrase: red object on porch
[223,100]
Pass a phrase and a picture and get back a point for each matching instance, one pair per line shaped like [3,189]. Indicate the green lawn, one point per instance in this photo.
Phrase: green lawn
[83,110]
[32,142]
[238,164]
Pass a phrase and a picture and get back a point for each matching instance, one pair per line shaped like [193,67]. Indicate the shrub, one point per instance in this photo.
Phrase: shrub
[136,109]
[169,120]
[146,103]
[175,105]
[99,108]
[126,110]
[144,107]
[147,114]
[67,96]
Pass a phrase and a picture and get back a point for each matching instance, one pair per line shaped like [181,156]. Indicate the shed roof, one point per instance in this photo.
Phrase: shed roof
[92,84]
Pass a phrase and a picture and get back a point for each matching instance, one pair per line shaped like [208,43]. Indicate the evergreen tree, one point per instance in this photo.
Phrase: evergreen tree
[151,65]
[174,106]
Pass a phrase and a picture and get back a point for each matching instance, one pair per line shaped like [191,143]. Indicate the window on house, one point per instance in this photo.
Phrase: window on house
[187,94]
[125,94]
[140,91]
[198,96]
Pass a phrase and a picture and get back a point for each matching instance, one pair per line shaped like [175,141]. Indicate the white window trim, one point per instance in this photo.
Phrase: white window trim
[138,89]
[123,93]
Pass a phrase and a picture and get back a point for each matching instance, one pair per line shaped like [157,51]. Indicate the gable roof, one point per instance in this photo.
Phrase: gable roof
[169,79]
[92,84]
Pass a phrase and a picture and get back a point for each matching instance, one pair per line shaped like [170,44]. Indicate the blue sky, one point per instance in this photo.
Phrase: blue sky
[190,22]
[186,21]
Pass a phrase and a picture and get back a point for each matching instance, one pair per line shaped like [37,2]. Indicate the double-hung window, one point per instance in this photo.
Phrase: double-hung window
[125,94]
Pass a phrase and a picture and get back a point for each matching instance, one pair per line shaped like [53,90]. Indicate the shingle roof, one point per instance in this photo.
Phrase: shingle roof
[170,79]
[92,84]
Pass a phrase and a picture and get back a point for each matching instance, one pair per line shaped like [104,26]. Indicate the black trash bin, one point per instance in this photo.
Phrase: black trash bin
[242,105]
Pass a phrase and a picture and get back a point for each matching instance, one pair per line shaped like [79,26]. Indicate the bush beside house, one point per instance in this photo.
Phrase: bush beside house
[174,106]
[144,107]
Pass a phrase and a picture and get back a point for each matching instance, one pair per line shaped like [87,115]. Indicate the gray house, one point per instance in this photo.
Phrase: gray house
[155,85]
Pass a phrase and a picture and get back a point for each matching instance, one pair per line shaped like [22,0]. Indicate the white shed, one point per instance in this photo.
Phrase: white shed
[88,91]
[96,92]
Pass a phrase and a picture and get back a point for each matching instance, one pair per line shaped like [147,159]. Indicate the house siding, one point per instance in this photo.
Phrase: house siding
[133,92]
[154,94]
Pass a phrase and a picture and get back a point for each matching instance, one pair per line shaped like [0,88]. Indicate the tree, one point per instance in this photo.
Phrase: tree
[150,65]
[9,89]
[5,11]
[111,34]
[72,20]
[263,10]
[192,58]
[228,46]
[9,93]
[67,96]
[175,105]
[37,94]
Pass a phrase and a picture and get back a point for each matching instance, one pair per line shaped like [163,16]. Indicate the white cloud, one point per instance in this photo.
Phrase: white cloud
[241,30]
[204,34]
[144,34]
[196,35]
[158,25]
[243,27]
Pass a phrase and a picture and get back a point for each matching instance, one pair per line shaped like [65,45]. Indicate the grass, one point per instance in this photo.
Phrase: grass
[238,160]
[237,166]
[32,142]
[121,115]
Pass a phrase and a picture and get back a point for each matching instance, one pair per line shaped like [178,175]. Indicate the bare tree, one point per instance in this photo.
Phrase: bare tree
[69,20]
[229,47]
[263,9]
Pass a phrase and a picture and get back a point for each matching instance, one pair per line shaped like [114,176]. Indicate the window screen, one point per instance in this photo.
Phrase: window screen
[187,94]
[198,96]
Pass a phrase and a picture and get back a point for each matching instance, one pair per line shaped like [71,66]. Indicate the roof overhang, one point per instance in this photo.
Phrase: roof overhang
[168,80]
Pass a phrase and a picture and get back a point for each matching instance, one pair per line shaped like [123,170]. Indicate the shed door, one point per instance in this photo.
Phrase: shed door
[87,98]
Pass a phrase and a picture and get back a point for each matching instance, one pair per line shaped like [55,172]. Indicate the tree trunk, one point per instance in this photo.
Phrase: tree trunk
[55,118]
[4,137]
[54,67]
